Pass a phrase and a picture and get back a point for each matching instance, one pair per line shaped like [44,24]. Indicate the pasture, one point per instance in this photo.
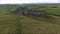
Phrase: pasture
[20,24]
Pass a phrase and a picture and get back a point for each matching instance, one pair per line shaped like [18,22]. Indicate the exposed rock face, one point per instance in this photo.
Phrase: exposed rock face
[25,11]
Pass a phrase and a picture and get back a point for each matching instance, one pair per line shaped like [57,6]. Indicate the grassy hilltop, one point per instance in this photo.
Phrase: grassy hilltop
[19,24]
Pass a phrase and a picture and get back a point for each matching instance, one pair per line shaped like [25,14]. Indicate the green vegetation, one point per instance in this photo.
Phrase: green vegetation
[53,11]
[13,24]
[19,24]
[47,7]
[8,9]
[9,24]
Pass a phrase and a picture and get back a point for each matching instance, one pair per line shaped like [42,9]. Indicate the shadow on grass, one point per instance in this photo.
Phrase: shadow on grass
[42,18]
[48,19]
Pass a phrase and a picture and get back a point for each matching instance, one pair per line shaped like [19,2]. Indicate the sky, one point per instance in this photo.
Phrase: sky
[27,1]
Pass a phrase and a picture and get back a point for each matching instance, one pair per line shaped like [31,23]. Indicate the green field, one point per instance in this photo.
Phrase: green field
[49,10]
[20,24]
[53,10]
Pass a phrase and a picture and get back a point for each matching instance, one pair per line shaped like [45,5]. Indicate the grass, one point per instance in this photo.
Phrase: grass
[53,10]
[13,24]
[19,24]
[8,24]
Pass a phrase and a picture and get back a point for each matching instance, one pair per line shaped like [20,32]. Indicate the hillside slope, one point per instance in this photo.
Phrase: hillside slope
[19,24]
[14,24]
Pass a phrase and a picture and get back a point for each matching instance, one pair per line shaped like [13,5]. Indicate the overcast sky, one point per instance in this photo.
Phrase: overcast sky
[27,1]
